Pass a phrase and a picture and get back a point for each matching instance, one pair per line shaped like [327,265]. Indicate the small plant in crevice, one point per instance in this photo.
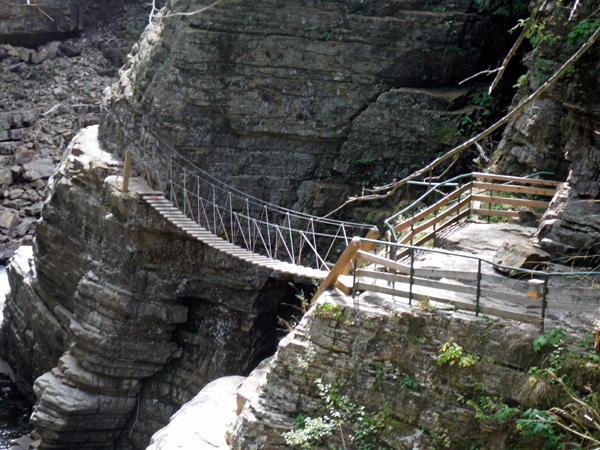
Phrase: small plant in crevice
[409,382]
[302,308]
[349,422]
[452,353]
[551,339]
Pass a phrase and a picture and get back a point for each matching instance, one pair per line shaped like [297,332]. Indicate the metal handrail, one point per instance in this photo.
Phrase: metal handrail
[450,182]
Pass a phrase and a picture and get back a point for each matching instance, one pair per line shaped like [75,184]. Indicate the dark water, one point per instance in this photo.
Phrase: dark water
[14,415]
[14,419]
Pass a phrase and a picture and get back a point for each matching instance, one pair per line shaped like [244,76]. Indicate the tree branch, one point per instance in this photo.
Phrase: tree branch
[487,72]
[516,45]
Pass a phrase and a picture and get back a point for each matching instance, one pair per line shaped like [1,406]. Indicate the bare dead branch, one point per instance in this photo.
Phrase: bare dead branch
[516,45]
[483,72]
[575,5]
[389,189]
[182,14]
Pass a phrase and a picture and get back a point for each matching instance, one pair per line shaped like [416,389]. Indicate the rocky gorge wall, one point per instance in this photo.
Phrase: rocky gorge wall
[560,132]
[374,372]
[299,103]
[123,316]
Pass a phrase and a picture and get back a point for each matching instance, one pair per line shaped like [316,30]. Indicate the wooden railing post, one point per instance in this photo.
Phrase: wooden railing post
[341,264]
[365,247]
[126,171]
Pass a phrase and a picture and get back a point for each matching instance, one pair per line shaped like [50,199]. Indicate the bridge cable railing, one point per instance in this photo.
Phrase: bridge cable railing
[227,212]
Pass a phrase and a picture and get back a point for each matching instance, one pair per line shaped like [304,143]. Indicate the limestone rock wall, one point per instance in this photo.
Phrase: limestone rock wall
[34,23]
[125,316]
[560,132]
[283,99]
[387,358]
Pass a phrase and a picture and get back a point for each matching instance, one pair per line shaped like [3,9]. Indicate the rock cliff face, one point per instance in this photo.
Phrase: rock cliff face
[295,101]
[560,132]
[124,313]
[34,23]
[388,358]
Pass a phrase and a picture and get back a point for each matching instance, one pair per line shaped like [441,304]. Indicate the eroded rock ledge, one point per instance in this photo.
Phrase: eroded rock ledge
[423,378]
[385,356]
[125,316]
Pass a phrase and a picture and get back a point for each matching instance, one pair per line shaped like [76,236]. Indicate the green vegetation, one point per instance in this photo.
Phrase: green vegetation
[582,31]
[452,353]
[353,423]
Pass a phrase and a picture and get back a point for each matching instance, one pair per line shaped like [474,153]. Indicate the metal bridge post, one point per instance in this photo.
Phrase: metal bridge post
[231,224]
[354,277]
[490,207]
[412,275]
[544,302]
[412,227]
[470,195]
[478,288]
[214,202]
[248,218]
[198,197]
[184,193]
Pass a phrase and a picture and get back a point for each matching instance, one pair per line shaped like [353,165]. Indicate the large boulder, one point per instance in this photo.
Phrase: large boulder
[519,256]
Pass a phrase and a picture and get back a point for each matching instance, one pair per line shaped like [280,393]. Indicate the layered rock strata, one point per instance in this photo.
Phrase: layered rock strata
[286,100]
[391,361]
[34,23]
[127,316]
[560,133]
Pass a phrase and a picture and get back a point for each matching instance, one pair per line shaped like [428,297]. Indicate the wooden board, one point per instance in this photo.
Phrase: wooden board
[435,220]
[434,233]
[435,273]
[511,188]
[493,176]
[421,215]
[511,315]
[500,213]
[573,306]
[510,201]
[459,288]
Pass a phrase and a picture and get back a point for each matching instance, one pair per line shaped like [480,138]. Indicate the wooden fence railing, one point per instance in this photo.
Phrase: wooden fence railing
[540,290]
[419,227]
[407,281]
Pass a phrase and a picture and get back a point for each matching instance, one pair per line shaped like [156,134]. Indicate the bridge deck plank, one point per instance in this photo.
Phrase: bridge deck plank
[170,212]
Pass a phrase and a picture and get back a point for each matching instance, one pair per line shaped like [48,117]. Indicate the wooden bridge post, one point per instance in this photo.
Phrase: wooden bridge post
[338,268]
[126,171]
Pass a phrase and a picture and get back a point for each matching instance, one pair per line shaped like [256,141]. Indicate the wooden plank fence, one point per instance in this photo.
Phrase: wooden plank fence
[460,204]
[430,284]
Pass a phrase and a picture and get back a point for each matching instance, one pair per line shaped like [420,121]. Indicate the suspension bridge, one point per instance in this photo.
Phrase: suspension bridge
[332,251]
[237,224]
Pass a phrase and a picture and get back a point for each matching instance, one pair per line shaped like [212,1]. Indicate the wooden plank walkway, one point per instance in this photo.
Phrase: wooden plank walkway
[166,209]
